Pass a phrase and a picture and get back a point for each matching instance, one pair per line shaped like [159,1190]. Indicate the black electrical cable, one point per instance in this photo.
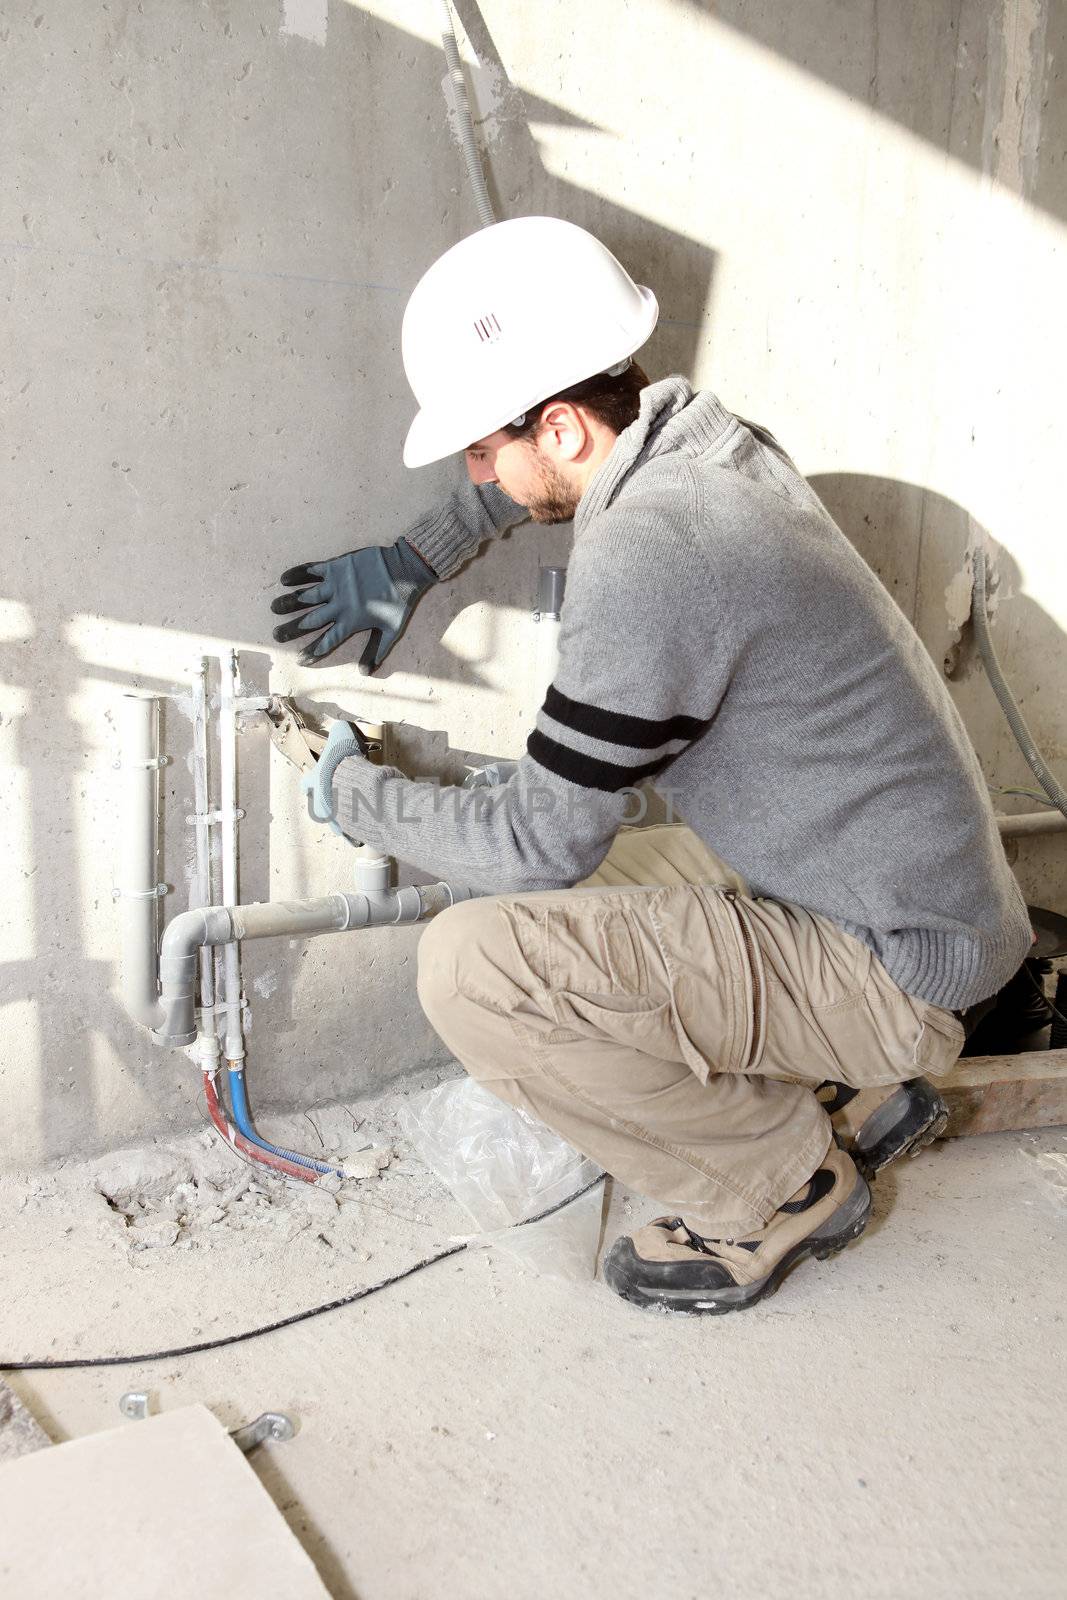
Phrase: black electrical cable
[1041,991]
[282,1322]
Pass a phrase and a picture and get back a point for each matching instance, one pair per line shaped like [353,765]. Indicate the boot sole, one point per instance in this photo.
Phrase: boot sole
[909,1120]
[838,1231]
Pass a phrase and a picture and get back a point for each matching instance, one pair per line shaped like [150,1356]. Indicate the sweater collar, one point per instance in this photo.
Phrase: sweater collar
[671,418]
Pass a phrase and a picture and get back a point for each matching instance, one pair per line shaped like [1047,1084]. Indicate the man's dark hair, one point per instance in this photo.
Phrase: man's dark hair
[613,401]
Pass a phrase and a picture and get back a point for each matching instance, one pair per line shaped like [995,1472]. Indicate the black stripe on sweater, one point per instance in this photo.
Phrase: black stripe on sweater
[614,727]
[586,770]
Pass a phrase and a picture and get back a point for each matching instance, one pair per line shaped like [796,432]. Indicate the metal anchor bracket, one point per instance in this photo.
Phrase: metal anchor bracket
[141,894]
[271,1425]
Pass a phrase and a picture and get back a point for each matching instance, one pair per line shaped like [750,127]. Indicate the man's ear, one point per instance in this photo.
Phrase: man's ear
[565,429]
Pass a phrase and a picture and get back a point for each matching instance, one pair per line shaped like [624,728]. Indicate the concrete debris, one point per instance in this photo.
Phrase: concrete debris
[184,1194]
[1052,1165]
[320,1206]
[153,1233]
[180,1240]
[19,1432]
[367,1163]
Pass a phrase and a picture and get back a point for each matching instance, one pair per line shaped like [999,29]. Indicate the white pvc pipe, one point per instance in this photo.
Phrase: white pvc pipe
[208,1035]
[550,590]
[231,960]
[372,870]
[137,890]
[546,654]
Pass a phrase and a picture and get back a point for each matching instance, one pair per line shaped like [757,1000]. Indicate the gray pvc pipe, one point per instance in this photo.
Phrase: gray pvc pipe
[1031,822]
[551,586]
[136,891]
[160,984]
[269,919]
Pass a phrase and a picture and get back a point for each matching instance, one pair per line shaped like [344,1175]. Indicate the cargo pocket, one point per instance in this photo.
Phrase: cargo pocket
[941,1038]
[704,951]
[591,951]
[582,951]
[588,950]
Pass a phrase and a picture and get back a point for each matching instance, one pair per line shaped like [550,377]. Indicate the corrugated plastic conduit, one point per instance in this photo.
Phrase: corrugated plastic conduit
[461,99]
[1008,703]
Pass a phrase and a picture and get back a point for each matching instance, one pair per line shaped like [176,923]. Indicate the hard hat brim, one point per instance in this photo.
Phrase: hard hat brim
[433,435]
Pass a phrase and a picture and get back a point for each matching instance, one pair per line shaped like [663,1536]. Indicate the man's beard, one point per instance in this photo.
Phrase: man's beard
[554,499]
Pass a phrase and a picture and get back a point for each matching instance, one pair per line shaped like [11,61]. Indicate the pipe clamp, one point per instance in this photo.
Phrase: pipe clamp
[150,763]
[219,1008]
[141,894]
[271,1425]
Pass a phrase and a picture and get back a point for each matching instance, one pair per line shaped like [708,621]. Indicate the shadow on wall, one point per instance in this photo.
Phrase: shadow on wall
[680,269]
[141,463]
[919,544]
[520,185]
[984,83]
[157,527]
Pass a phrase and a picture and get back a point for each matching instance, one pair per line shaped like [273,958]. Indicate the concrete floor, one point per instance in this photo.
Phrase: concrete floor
[891,1423]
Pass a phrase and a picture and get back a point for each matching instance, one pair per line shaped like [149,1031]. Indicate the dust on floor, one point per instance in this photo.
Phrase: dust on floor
[891,1423]
[179,1241]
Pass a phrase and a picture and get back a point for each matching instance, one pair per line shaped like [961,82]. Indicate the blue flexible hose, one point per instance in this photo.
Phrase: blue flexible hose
[242,1117]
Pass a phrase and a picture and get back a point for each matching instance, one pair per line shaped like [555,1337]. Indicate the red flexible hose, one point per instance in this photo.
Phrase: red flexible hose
[245,1147]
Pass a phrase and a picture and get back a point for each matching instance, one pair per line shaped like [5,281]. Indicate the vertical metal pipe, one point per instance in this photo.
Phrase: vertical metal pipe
[208,1040]
[231,963]
[137,890]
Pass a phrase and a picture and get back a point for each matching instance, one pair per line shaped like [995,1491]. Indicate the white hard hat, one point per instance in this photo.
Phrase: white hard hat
[507,318]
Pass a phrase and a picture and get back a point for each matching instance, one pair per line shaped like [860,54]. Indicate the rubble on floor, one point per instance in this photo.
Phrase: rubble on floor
[226,1245]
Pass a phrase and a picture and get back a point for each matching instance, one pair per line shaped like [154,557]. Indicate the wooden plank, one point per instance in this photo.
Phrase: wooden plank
[996,1094]
[154,1510]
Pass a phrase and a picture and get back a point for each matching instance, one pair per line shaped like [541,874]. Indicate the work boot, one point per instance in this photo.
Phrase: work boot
[666,1264]
[878,1125]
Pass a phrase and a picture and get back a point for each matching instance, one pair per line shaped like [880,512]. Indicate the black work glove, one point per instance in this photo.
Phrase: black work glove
[376,588]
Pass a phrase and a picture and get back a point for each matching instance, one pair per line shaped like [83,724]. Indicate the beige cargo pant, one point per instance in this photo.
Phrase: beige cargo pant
[673,1028]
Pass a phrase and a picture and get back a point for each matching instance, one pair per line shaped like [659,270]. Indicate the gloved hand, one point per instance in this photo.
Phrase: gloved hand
[345,741]
[376,588]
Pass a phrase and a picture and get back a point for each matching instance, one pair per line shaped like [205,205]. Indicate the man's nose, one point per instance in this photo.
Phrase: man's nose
[479,469]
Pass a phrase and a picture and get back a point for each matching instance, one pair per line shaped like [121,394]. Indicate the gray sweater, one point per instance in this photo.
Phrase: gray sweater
[721,638]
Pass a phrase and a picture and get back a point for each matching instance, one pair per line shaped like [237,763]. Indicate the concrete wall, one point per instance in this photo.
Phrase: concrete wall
[853,216]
